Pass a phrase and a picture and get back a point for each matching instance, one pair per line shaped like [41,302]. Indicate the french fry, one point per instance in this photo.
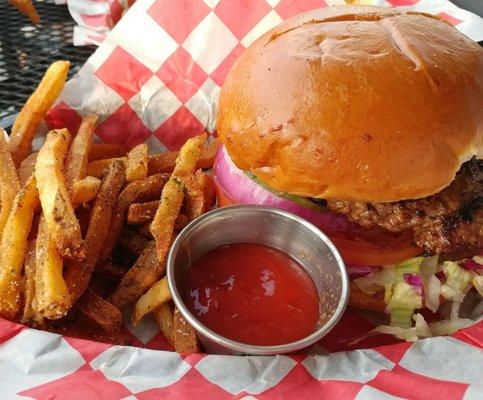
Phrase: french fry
[100,310]
[133,241]
[165,162]
[30,314]
[181,222]
[164,317]
[9,183]
[111,271]
[184,335]
[144,190]
[83,215]
[27,168]
[35,109]
[137,163]
[78,273]
[54,198]
[208,189]
[143,213]
[173,193]
[97,168]
[140,213]
[159,163]
[195,201]
[52,296]
[27,7]
[84,190]
[100,151]
[140,277]
[13,247]
[77,157]
[145,230]
[158,294]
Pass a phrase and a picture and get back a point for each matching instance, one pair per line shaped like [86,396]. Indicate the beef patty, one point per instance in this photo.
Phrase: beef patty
[450,221]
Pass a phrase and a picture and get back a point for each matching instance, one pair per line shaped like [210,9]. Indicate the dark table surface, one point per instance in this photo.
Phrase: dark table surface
[475,6]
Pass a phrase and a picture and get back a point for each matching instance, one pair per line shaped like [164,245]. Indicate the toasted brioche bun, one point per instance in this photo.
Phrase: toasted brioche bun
[357,103]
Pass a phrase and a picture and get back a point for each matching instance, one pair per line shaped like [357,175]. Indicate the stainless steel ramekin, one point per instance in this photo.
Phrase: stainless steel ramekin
[272,227]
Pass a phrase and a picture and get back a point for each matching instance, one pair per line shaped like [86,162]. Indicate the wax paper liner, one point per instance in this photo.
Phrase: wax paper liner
[156,78]
[96,18]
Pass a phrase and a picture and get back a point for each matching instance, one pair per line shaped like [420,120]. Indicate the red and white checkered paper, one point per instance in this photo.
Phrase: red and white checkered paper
[96,18]
[156,78]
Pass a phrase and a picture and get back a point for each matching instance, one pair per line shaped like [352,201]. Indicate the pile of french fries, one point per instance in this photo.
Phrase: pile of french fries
[85,228]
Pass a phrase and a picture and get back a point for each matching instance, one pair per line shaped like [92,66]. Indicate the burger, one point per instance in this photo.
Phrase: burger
[368,122]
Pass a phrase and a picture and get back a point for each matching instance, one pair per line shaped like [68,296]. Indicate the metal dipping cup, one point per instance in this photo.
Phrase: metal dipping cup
[284,231]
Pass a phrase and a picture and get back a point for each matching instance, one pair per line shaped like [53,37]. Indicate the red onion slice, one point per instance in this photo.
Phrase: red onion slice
[244,190]
[415,281]
[358,270]
[471,264]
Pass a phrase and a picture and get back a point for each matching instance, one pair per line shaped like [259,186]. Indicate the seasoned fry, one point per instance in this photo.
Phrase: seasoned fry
[140,213]
[54,198]
[78,273]
[30,314]
[77,157]
[143,213]
[27,168]
[35,109]
[159,163]
[111,270]
[164,317]
[181,222]
[133,241]
[98,167]
[137,163]
[144,230]
[100,310]
[52,296]
[208,189]
[9,183]
[13,247]
[144,190]
[100,151]
[140,277]
[184,335]
[84,191]
[173,193]
[83,216]
[195,201]
[151,300]
[165,162]
[27,7]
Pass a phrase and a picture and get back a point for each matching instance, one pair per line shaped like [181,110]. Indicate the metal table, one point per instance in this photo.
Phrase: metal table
[26,51]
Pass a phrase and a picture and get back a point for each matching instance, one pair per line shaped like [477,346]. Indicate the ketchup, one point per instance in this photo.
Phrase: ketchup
[253,294]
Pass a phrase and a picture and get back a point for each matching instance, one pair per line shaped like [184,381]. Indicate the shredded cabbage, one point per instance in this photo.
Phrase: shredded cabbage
[409,266]
[421,326]
[431,283]
[477,282]
[404,300]
[454,289]
[449,326]
[422,329]
[383,278]
[478,259]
